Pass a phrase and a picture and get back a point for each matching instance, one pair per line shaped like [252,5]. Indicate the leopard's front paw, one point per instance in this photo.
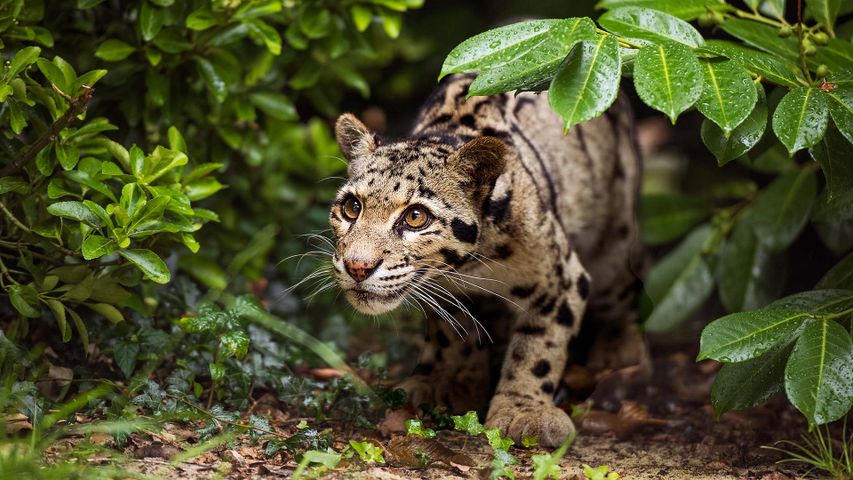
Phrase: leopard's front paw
[550,425]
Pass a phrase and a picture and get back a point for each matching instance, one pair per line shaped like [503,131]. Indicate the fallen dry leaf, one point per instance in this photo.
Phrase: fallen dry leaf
[17,422]
[630,418]
[419,452]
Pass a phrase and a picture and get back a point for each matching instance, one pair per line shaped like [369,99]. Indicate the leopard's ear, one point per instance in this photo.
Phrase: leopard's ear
[481,161]
[354,138]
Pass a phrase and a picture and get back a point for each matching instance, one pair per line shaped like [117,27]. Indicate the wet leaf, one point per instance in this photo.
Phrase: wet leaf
[746,384]
[744,335]
[841,109]
[587,82]
[645,26]
[763,37]
[683,9]
[832,152]
[742,138]
[666,217]
[728,94]
[149,263]
[825,12]
[819,374]
[668,78]
[779,71]
[800,118]
[75,211]
[96,246]
[783,208]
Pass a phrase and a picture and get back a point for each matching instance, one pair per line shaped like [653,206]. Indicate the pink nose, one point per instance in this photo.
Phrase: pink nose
[359,270]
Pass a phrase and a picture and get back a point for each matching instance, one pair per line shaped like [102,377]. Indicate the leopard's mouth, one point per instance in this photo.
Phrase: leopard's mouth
[371,302]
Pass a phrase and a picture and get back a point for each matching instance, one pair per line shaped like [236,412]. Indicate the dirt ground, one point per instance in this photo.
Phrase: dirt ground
[642,428]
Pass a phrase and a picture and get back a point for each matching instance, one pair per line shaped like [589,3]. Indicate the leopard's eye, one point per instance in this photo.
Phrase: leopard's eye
[351,208]
[417,217]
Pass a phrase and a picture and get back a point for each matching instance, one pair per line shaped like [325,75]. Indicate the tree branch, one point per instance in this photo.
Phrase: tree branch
[76,106]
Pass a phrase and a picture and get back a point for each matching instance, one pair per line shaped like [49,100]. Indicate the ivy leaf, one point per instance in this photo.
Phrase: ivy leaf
[748,276]
[742,138]
[235,343]
[728,94]
[800,118]
[680,283]
[666,217]
[468,423]
[367,452]
[416,427]
[587,82]
[818,374]
[151,265]
[548,465]
[745,335]
[783,208]
[746,384]
[125,354]
[645,26]
[668,78]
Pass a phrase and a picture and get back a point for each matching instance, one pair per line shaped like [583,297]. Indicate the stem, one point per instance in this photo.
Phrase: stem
[76,106]
[215,383]
[761,18]
[830,316]
[802,51]
[13,218]
[625,43]
[227,422]
[5,273]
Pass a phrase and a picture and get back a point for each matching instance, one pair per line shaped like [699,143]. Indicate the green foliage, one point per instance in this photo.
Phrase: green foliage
[548,465]
[792,75]
[502,460]
[368,452]
[821,450]
[599,473]
[415,426]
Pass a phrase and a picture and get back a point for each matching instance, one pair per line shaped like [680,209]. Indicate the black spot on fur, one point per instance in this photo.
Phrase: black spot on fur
[531,330]
[442,339]
[542,368]
[463,231]
[550,344]
[452,257]
[565,316]
[523,292]
[468,120]
[517,355]
[622,231]
[548,306]
[548,387]
[503,252]
[498,209]
[583,286]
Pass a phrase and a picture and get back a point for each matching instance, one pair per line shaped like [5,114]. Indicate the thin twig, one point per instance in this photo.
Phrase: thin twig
[76,106]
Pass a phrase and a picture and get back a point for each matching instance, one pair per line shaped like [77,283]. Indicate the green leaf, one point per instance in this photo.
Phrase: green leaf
[548,465]
[763,37]
[816,301]
[201,19]
[668,78]
[172,40]
[151,20]
[773,8]
[817,377]
[742,138]
[96,246]
[683,9]
[149,263]
[161,161]
[235,343]
[643,25]
[744,335]
[367,451]
[14,184]
[176,140]
[361,17]
[125,354]
[521,56]
[750,383]
[23,59]
[783,208]
[825,12]
[74,211]
[202,188]
[840,103]
[58,310]
[213,79]
[748,276]
[800,118]
[415,426]
[832,152]
[839,276]
[728,94]
[217,371]
[53,74]
[67,155]
[114,50]
[109,312]
[680,283]
[133,199]
[81,330]
[276,105]
[666,217]
[468,423]
[25,300]
[785,73]
[587,83]
[264,34]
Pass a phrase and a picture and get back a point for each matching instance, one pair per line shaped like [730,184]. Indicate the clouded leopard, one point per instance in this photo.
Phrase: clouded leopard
[487,194]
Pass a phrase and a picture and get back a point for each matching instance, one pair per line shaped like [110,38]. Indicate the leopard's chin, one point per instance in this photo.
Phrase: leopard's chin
[372,303]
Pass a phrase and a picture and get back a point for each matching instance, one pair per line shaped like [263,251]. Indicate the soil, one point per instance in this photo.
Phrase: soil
[661,427]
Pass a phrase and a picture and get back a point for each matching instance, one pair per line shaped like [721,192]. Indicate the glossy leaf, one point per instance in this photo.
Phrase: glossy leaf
[276,105]
[773,8]
[748,276]
[763,37]
[108,311]
[750,383]
[666,217]
[800,118]
[744,335]
[832,152]
[644,26]
[819,374]
[683,9]
[96,246]
[519,56]
[75,211]
[680,283]
[783,208]
[114,50]
[825,12]
[840,102]
[742,138]
[149,263]
[728,94]
[587,82]
[816,302]
[668,78]
[25,300]
[839,276]
[780,71]
[151,20]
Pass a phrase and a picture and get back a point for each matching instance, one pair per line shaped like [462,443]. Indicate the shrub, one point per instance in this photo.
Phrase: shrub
[797,343]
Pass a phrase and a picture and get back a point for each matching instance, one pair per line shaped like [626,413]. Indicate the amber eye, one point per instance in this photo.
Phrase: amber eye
[416,217]
[351,208]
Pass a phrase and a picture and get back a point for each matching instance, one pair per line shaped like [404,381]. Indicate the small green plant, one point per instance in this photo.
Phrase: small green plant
[502,460]
[368,452]
[548,464]
[326,461]
[818,450]
[416,426]
[599,473]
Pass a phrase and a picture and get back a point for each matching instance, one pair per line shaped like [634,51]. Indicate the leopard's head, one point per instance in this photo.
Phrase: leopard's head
[410,210]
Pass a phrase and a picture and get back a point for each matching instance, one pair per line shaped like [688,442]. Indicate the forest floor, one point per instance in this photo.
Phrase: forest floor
[658,428]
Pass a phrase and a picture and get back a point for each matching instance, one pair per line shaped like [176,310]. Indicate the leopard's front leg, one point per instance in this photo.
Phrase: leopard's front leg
[536,356]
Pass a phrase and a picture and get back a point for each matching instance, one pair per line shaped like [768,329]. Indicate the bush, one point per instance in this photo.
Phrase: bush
[798,343]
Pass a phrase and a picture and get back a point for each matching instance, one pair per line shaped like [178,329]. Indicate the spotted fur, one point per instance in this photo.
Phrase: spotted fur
[541,219]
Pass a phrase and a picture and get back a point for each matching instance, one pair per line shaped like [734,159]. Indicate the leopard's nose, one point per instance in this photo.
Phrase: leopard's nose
[359,270]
